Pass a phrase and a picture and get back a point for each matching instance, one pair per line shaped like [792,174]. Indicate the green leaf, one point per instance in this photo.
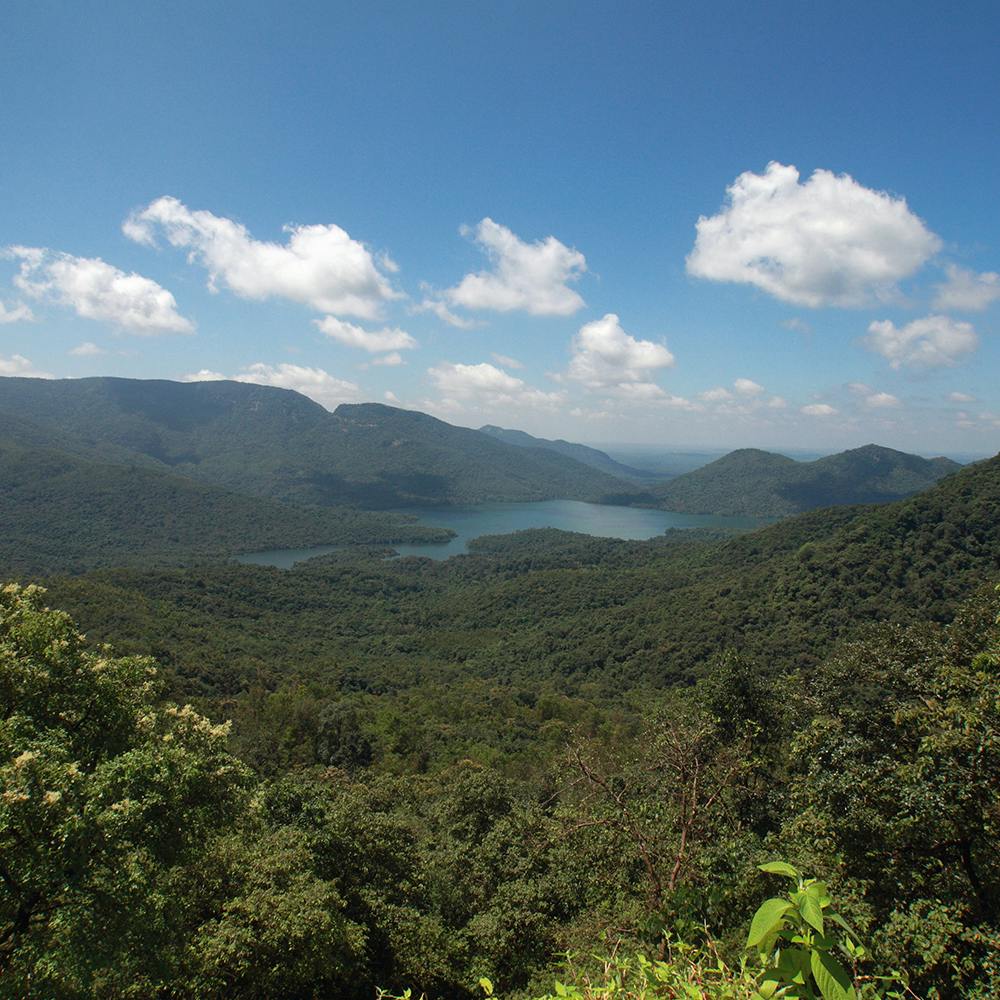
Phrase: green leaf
[767,988]
[838,919]
[486,985]
[831,978]
[767,919]
[779,868]
[811,912]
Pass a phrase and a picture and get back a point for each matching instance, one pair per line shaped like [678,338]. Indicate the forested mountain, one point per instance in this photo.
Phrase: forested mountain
[438,772]
[60,513]
[757,483]
[581,452]
[276,443]
[554,608]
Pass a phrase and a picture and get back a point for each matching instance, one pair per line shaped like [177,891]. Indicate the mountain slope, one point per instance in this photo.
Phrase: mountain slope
[577,612]
[581,452]
[277,443]
[59,513]
[761,484]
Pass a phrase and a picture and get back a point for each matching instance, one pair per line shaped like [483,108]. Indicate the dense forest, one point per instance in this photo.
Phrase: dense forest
[59,512]
[278,444]
[755,483]
[414,774]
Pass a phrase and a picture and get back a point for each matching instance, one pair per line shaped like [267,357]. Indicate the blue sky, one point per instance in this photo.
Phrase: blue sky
[676,224]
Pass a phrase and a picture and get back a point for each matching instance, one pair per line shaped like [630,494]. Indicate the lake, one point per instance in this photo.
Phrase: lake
[601,520]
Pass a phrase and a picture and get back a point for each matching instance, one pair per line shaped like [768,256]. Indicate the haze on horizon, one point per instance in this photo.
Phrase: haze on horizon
[580,221]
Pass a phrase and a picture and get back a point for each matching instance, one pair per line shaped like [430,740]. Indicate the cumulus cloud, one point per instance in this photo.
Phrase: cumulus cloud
[88,349]
[647,392]
[505,361]
[743,389]
[529,277]
[717,395]
[317,384]
[19,313]
[18,364]
[872,397]
[488,385]
[827,242]
[882,400]
[967,291]
[818,410]
[320,266]
[373,341]
[97,290]
[389,360]
[747,387]
[605,356]
[443,313]
[931,342]
[960,397]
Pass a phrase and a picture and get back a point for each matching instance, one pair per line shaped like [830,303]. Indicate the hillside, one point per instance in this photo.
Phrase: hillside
[277,443]
[582,453]
[59,513]
[550,607]
[442,727]
[757,483]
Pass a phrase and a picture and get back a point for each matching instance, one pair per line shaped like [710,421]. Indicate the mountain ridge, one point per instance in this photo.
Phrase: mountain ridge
[755,483]
[581,452]
[277,443]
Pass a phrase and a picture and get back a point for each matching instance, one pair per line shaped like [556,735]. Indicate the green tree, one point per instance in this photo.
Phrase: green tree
[107,799]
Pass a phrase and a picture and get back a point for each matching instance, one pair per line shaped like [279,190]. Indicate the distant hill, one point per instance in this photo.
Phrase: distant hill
[60,513]
[277,443]
[581,452]
[756,483]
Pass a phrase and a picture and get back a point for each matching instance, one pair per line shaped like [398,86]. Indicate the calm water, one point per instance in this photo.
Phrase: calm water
[602,520]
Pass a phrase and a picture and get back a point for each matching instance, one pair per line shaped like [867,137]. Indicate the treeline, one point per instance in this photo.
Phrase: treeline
[61,513]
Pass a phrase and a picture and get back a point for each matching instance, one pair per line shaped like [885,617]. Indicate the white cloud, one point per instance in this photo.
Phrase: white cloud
[389,360]
[373,341]
[743,388]
[507,362]
[777,403]
[317,384]
[488,385]
[882,401]
[605,355]
[390,397]
[960,397]
[97,290]
[320,266]
[717,395]
[532,277]
[88,349]
[19,313]
[818,410]
[967,291]
[872,397]
[443,313]
[747,387]
[18,364]
[828,242]
[931,342]
[582,414]
[635,391]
